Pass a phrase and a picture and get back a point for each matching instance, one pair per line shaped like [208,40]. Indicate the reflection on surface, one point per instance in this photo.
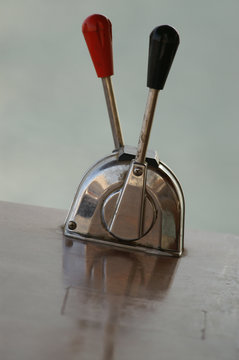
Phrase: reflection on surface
[105,287]
[116,272]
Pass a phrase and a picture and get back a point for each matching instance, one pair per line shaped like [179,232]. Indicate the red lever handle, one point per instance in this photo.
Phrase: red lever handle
[97,31]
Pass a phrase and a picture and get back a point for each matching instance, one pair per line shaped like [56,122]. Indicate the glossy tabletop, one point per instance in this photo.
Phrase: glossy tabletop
[64,299]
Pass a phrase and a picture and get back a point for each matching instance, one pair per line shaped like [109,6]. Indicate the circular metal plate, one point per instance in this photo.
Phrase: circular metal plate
[108,211]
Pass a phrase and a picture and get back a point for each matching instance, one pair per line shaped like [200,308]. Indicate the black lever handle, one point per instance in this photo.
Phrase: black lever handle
[163,44]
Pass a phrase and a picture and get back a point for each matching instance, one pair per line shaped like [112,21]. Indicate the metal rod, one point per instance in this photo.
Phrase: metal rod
[146,126]
[112,111]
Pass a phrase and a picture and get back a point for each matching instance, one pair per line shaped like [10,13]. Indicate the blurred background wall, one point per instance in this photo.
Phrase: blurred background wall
[53,117]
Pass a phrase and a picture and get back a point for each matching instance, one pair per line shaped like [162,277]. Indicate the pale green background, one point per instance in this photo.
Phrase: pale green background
[54,122]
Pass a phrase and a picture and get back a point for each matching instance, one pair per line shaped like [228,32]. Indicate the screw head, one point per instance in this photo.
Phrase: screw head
[138,171]
[72,225]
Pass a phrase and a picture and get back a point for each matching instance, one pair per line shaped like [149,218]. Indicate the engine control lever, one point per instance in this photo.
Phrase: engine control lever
[130,199]
[97,30]
[163,44]
[133,202]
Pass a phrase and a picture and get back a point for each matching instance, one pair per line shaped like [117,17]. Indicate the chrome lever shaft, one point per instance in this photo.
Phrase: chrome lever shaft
[146,126]
[113,112]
